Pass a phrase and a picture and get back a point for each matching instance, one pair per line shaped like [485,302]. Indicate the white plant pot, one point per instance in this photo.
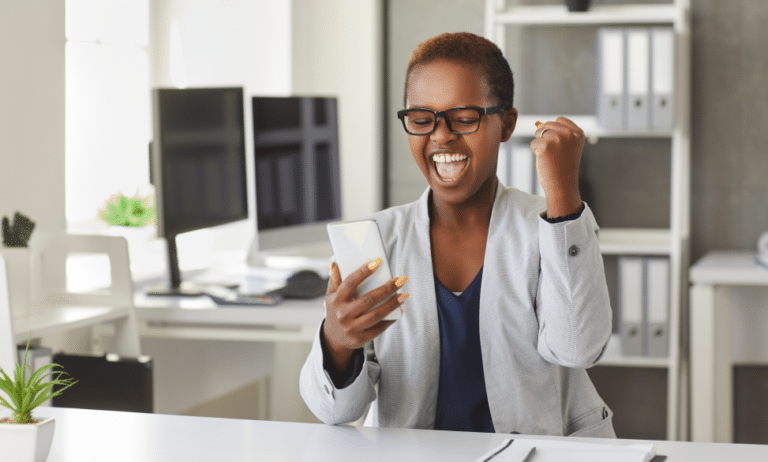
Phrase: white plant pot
[138,238]
[26,442]
[17,265]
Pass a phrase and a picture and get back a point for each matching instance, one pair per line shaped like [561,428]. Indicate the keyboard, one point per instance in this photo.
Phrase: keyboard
[227,297]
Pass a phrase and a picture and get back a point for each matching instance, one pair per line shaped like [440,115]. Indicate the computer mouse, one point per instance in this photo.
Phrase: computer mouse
[303,275]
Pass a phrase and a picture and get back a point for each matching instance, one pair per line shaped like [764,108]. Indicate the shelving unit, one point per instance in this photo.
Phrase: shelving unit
[672,242]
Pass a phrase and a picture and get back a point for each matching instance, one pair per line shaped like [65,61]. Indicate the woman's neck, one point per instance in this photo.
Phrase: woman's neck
[474,212]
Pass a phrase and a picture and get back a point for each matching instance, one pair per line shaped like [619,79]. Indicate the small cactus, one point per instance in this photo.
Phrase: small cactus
[18,233]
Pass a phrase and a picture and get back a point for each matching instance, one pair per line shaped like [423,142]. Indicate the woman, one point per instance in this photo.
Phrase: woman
[508,302]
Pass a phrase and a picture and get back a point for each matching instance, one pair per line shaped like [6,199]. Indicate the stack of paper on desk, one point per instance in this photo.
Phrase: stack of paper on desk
[539,450]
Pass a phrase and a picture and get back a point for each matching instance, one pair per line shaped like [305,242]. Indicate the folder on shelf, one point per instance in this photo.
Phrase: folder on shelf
[662,102]
[631,300]
[638,78]
[657,305]
[610,76]
[523,168]
[502,164]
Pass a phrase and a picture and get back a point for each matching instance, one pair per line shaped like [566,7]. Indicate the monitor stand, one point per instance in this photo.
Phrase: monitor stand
[177,288]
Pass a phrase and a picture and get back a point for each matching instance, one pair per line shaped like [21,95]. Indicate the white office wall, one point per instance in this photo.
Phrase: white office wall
[107,109]
[236,42]
[32,111]
[32,123]
[337,51]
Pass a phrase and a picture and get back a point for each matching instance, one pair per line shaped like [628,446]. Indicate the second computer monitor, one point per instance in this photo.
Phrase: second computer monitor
[296,157]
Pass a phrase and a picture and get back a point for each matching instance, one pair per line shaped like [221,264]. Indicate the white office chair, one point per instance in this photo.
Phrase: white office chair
[49,290]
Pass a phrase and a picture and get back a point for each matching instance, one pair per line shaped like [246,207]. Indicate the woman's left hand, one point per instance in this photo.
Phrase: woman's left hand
[558,147]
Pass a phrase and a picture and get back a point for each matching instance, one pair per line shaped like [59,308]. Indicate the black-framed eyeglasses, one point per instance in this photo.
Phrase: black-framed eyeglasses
[460,120]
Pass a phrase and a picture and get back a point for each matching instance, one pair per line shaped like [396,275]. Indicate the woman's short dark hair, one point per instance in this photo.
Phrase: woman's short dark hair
[471,50]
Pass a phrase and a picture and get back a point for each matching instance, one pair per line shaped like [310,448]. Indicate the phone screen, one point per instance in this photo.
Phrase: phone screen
[356,243]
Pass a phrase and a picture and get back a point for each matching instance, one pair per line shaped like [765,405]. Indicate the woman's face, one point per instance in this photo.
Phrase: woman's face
[455,166]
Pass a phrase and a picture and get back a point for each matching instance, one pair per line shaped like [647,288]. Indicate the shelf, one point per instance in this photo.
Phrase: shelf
[738,268]
[597,14]
[526,128]
[613,357]
[54,320]
[633,361]
[635,241]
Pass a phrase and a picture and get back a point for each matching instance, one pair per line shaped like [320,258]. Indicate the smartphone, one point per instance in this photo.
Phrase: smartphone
[356,243]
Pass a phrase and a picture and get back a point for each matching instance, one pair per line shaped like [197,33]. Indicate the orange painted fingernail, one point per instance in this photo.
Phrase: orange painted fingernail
[374,264]
[403,297]
[537,123]
[401,281]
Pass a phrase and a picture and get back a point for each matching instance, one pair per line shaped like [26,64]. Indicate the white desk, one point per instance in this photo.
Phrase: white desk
[716,281]
[290,325]
[200,318]
[85,435]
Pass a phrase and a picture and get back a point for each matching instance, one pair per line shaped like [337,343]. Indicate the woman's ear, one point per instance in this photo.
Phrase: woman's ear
[508,124]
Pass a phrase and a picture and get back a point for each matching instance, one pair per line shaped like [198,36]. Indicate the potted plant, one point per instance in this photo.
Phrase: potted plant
[16,236]
[132,218]
[121,210]
[26,439]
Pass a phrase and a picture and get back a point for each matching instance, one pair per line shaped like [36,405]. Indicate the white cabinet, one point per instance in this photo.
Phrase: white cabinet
[672,242]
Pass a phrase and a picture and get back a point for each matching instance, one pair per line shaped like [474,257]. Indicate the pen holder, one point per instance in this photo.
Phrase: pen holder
[17,267]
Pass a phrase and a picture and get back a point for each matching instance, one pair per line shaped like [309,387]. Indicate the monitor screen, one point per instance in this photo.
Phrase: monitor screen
[198,163]
[199,158]
[296,158]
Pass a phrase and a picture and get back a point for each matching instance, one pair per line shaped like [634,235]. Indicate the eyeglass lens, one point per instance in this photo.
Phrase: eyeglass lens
[460,121]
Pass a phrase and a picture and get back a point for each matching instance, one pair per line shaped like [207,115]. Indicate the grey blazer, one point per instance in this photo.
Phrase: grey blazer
[545,316]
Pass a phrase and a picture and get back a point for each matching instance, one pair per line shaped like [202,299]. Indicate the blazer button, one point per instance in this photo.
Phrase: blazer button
[573,251]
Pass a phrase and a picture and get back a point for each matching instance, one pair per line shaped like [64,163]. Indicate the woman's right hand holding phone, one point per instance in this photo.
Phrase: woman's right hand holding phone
[350,321]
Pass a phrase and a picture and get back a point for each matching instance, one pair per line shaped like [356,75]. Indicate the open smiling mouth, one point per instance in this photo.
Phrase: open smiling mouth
[449,166]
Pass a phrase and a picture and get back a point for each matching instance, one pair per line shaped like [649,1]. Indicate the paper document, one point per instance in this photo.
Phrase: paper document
[522,450]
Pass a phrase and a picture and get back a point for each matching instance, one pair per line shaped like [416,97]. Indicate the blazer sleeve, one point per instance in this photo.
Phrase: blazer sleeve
[572,303]
[337,405]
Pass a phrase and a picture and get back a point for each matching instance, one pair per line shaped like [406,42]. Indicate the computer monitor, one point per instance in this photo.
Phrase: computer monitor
[198,159]
[296,159]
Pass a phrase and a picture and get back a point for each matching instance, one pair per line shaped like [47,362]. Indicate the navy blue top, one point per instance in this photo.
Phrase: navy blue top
[462,402]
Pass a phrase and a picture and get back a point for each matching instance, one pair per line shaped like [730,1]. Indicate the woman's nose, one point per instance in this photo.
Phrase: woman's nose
[442,132]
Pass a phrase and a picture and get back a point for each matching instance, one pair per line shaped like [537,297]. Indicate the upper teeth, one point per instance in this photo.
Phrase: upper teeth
[448,157]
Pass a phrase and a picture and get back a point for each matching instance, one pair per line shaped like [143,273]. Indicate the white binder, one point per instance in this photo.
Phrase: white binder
[503,164]
[610,76]
[662,102]
[631,299]
[657,306]
[638,78]
[523,168]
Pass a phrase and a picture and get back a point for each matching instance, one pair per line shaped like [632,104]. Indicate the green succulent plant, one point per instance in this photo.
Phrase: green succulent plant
[128,211]
[27,395]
